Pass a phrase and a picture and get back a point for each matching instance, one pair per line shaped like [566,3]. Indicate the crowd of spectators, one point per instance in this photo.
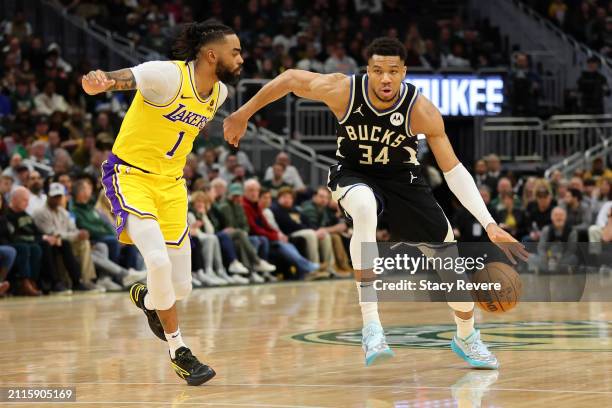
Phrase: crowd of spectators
[320,36]
[544,211]
[588,21]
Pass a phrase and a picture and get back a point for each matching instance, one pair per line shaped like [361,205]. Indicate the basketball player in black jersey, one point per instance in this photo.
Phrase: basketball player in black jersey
[379,116]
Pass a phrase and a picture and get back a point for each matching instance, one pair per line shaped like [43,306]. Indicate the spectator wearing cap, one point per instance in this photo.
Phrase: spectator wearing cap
[578,211]
[54,58]
[49,101]
[232,220]
[260,226]
[38,198]
[54,220]
[291,176]
[289,219]
[593,87]
[537,214]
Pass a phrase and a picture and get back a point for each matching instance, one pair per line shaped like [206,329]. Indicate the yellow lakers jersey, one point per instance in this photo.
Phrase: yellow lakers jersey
[158,138]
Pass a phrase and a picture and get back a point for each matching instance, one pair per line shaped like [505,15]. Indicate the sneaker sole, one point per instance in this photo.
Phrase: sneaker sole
[380,357]
[472,363]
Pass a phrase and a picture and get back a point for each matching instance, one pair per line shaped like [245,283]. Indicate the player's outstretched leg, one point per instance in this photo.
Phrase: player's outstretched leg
[360,204]
[168,280]
[467,343]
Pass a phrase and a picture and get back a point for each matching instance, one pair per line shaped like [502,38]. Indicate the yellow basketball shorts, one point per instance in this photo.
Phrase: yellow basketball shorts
[134,191]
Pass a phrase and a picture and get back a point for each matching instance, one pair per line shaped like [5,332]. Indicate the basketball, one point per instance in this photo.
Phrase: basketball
[504,299]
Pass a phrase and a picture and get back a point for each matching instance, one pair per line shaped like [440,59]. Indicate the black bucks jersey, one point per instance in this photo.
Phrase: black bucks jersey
[377,142]
[378,149]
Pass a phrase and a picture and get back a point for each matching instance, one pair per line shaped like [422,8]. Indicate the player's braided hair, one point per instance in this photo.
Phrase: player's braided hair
[386,46]
[195,35]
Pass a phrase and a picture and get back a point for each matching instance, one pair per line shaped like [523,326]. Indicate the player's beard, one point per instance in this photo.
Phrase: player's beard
[226,75]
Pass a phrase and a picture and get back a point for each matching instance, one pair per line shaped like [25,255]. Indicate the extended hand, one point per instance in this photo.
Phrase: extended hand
[507,243]
[95,82]
[234,127]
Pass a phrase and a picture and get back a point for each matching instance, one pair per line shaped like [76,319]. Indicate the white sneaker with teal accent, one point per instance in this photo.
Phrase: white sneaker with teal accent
[374,344]
[473,350]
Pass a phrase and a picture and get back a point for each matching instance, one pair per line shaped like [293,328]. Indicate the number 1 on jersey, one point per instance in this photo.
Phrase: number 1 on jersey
[176,145]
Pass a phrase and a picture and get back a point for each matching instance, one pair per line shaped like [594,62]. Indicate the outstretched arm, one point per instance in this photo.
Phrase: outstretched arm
[426,119]
[331,89]
[99,81]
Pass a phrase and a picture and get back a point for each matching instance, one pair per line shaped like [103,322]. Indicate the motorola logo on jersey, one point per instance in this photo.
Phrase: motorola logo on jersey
[397,119]
[181,114]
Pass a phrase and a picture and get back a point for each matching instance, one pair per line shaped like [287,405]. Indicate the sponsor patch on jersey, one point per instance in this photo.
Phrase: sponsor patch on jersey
[397,118]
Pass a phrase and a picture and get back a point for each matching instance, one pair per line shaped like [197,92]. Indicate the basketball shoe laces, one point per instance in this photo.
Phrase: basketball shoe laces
[476,348]
[375,338]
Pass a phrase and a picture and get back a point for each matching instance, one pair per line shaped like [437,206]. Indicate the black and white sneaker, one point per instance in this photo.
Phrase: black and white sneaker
[189,368]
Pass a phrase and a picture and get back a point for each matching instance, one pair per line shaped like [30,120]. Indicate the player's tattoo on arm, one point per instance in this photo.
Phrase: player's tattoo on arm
[124,80]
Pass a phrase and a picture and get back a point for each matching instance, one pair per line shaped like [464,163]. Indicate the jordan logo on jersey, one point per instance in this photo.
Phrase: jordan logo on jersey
[358,110]
[181,114]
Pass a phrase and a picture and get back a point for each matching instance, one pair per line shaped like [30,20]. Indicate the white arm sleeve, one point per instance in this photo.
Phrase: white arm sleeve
[463,186]
[158,81]
[222,94]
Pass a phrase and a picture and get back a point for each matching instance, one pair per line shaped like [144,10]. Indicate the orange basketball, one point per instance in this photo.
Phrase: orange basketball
[504,299]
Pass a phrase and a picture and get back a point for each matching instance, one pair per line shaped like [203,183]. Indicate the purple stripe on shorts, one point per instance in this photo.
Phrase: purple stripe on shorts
[108,171]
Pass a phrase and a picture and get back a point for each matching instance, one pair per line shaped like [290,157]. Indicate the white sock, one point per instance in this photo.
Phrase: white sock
[175,341]
[147,302]
[369,307]
[464,327]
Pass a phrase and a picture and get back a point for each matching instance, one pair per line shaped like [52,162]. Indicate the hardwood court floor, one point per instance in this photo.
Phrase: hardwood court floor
[296,345]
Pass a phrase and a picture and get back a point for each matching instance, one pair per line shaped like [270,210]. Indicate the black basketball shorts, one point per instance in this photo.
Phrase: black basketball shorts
[405,200]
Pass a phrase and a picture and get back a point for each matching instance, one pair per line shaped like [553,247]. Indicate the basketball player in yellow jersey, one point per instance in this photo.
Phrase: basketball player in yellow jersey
[142,177]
